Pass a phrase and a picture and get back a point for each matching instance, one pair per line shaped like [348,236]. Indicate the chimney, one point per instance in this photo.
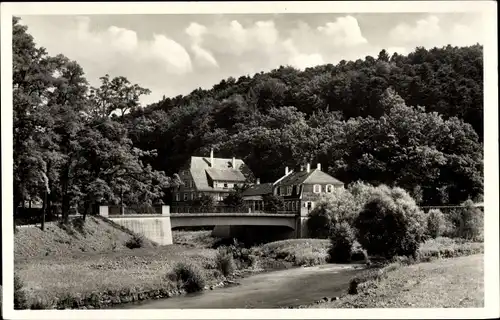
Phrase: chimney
[319,166]
[258,181]
[308,168]
[212,157]
[234,163]
[286,171]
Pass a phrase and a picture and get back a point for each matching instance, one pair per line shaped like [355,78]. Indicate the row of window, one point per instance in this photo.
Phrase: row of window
[186,196]
[288,190]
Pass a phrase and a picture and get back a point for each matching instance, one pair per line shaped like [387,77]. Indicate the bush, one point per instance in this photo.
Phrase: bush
[137,241]
[342,240]
[20,301]
[273,203]
[468,222]
[225,262]
[189,276]
[436,223]
[359,255]
[390,224]
[331,209]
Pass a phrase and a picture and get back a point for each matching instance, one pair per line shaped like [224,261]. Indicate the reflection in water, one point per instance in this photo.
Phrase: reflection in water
[284,288]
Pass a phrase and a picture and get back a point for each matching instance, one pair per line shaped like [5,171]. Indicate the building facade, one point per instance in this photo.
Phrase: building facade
[216,177]
[299,189]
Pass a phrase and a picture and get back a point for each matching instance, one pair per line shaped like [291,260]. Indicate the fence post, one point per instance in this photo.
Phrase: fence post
[104,211]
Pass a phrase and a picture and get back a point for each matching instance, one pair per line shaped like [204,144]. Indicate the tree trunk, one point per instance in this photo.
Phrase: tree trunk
[122,209]
[65,196]
[44,208]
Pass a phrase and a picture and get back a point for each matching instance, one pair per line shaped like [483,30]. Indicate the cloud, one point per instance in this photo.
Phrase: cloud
[120,45]
[345,31]
[435,31]
[423,29]
[203,56]
[172,54]
[301,60]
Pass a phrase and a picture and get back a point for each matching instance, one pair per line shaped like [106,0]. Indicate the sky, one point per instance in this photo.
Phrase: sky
[178,53]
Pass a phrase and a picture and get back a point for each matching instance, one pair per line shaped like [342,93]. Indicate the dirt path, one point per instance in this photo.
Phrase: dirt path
[447,283]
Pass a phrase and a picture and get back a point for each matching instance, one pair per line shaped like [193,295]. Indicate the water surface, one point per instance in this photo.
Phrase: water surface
[275,289]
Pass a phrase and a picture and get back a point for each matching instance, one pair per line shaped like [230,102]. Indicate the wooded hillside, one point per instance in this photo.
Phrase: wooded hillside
[413,121]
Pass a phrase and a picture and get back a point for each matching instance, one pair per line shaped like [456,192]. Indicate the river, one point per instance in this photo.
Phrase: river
[275,289]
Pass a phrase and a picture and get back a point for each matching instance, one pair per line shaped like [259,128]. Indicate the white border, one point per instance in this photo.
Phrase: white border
[488,8]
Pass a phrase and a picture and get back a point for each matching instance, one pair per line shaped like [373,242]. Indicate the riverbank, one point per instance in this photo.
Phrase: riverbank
[105,279]
[441,283]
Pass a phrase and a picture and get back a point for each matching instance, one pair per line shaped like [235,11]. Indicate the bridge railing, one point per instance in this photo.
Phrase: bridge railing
[223,209]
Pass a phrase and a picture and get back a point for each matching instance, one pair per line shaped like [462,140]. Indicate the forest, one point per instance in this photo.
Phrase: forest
[413,121]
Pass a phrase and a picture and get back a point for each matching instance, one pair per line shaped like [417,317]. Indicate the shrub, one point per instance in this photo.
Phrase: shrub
[137,241]
[225,262]
[342,239]
[436,223]
[332,209]
[468,221]
[189,276]
[20,301]
[390,224]
[273,203]
[359,255]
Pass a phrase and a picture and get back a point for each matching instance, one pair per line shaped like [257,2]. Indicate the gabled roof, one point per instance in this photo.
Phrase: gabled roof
[258,190]
[222,169]
[311,177]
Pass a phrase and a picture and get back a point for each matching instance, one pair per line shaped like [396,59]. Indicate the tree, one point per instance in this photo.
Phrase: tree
[390,224]
[273,203]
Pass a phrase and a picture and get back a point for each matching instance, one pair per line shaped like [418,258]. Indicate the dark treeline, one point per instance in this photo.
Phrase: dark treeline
[413,121]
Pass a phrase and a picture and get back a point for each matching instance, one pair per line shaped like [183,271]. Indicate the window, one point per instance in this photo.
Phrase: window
[177,197]
[317,188]
[278,191]
[293,206]
[185,196]
[190,184]
[192,196]
[329,188]
[289,190]
[309,205]
[225,186]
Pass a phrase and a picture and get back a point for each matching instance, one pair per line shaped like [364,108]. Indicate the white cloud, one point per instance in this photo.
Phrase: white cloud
[423,29]
[433,31]
[301,60]
[174,55]
[345,31]
[203,56]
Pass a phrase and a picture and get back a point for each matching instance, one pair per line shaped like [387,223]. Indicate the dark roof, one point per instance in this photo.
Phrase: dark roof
[221,170]
[311,177]
[258,189]
[226,175]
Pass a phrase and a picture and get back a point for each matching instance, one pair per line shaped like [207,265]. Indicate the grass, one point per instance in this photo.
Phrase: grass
[113,274]
[452,283]
[198,239]
[298,252]
[92,236]
[380,287]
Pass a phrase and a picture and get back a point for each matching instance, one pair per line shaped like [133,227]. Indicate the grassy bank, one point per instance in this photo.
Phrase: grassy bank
[93,235]
[110,278]
[74,278]
[441,283]
[432,280]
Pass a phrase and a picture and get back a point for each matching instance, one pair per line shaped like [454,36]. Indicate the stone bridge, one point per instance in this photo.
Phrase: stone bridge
[158,227]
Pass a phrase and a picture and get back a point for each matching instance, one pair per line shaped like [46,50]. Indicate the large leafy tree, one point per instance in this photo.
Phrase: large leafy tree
[70,148]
